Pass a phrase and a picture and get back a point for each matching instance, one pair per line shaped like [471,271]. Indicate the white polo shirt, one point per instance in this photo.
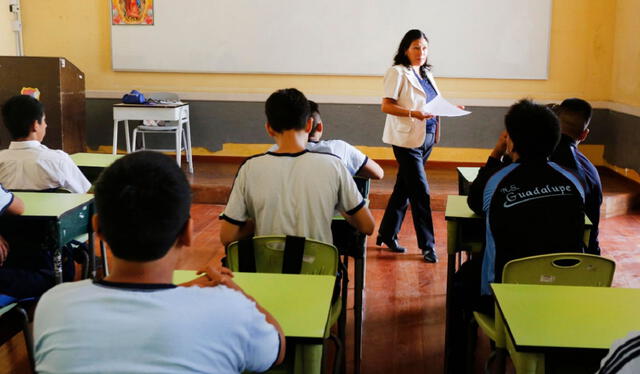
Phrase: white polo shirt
[90,327]
[351,156]
[30,165]
[292,194]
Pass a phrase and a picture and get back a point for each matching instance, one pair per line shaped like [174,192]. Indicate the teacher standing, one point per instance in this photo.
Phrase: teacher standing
[408,86]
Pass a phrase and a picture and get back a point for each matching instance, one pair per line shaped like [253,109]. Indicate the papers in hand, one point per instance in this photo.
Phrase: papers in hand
[441,107]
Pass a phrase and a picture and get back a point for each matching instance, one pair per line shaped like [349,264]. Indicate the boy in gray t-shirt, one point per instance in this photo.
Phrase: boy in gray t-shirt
[292,191]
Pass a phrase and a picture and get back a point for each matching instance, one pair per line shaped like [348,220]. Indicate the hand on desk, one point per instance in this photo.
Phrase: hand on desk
[211,277]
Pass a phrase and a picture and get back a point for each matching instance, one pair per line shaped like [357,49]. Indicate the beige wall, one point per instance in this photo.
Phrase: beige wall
[7,36]
[580,57]
[625,77]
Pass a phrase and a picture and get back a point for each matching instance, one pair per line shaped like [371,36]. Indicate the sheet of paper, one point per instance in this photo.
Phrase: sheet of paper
[441,107]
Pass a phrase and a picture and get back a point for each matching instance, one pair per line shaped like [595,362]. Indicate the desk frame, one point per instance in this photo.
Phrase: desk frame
[60,228]
[162,112]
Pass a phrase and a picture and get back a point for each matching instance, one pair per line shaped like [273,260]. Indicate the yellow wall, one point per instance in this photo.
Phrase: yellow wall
[7,36]
[625,85]
[580,57]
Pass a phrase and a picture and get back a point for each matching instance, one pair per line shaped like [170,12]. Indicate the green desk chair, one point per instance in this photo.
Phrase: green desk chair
[291,255]
[12,316]
[568,269]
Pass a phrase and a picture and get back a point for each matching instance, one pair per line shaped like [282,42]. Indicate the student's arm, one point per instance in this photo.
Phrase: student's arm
[230,232]
[16,207]
[213,277]
[371,169]
[361,220]
[475,200]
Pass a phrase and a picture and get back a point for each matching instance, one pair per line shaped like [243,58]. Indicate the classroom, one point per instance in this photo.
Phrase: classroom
[398,312]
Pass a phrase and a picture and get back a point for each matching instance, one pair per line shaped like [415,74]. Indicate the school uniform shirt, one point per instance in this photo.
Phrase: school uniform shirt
[623,357]
[531,208]
[402,85]
[106,327]
[351,156]
[6,198]
[30,165]
[292,194]
[568,155]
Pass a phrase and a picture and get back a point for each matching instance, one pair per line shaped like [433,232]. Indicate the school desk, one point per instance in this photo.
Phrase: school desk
[178,112]
[466,175]
[50,221]
[352,243]
[92,164]
[299,302]
[465,233]
[554,319]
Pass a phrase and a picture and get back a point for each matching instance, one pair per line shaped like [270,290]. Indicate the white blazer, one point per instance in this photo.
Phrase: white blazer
[401,84]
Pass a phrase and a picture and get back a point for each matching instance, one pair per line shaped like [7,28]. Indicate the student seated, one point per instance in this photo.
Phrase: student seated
[575,115]
[21,276]
[532,207]
[356,162]
[292,191]
[136,320]
[28,164]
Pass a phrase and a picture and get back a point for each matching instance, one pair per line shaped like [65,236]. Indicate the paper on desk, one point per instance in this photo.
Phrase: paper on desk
[441,107]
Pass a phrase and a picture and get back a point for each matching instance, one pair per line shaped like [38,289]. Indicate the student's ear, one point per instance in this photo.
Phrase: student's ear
[185,237]
[308,126]
[33,127]
[583,135]
[319,128]
[270,131]
[95,223]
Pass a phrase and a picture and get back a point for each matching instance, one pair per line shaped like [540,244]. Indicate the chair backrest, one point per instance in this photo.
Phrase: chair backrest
[318,258]
[567,269]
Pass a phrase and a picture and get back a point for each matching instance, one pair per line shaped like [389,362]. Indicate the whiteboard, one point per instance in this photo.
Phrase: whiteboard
[468,38]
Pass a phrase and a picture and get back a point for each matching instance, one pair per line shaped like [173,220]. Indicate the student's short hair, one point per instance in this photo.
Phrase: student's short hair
[574,115]
[315,115]
[143,202]
[287,109]
[19,113]
[533,128]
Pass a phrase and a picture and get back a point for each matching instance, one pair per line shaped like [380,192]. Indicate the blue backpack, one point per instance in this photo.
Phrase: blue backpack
[134,97]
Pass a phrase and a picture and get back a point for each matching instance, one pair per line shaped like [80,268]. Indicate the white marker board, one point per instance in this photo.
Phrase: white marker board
[468,38]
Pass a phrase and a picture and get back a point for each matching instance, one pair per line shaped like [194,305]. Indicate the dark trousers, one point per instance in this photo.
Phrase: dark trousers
[411,187]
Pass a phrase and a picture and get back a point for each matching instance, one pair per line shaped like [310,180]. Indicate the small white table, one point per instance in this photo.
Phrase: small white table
[159,112]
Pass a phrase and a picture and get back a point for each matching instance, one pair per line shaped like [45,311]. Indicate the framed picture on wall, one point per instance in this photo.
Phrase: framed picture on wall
[132,12]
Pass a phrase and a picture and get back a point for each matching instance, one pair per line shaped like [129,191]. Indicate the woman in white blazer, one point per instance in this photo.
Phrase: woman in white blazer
[412,132]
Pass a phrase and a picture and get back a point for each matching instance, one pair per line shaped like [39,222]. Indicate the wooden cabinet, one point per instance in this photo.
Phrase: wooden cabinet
[62,91]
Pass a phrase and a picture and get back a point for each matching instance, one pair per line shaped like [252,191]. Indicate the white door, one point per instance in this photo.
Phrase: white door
[7,35]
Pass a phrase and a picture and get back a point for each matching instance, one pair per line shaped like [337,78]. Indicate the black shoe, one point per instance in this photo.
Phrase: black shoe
[392,244]
[429,255]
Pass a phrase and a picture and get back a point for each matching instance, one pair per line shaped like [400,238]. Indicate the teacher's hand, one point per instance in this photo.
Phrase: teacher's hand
[421,115]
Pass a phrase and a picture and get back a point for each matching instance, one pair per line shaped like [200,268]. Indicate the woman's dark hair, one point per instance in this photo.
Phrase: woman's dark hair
[402,59]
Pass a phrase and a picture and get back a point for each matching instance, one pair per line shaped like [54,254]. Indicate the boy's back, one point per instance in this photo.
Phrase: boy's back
[293,194]
[29,165]
[86,327]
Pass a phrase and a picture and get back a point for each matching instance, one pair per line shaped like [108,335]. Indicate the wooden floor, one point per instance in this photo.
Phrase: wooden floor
[405,297]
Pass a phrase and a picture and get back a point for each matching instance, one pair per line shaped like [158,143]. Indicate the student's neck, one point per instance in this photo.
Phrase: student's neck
[291,141]
[158,271]
[26,139]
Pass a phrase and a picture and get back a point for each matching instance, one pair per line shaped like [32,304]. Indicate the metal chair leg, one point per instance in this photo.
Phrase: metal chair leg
[28,337]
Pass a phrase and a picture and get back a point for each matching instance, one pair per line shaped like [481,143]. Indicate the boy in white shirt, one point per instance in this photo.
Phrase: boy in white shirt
[29,165]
